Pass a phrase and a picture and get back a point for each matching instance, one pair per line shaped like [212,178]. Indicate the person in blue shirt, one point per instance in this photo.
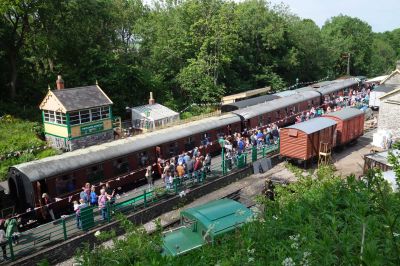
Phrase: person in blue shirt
[93,197]
[240,146]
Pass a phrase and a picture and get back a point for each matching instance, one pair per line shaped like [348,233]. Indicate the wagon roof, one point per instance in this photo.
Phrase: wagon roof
[313,125]
[276,104]
[346,113]
[55,165]
[333,87]
[220,216]
[253,101]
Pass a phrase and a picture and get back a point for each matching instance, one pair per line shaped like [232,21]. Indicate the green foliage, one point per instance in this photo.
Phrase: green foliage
[19,143]
[183,51]
[320,220]
[343,35]
[138,248]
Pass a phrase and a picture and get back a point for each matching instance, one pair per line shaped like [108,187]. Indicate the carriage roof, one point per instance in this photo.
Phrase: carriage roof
[277,104]
[336,86]
[55,165]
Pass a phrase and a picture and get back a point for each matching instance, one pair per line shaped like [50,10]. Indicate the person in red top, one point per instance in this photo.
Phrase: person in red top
[198,164]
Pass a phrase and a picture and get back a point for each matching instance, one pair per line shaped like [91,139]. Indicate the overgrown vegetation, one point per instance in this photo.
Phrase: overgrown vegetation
[20,142]
[322,219]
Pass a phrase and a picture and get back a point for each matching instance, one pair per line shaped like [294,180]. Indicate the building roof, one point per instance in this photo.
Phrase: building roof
[340,84]
[156,111]
[395,72]
[346,113]
[313,125]
[382,157]
[55,165]
[248,102]
[245,94]
[82,97]
[394,91]
[220,216]
[276,104]
[383,88]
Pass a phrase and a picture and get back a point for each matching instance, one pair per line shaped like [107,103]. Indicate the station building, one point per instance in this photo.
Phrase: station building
[78,117]
[389,109]
[152,116]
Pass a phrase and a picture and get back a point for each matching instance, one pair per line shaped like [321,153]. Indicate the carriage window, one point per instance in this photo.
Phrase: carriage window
[143,158]
[260,120]
[189,145]
[205,139]
[121,166]
[173,149]
[95,173]
[65,184]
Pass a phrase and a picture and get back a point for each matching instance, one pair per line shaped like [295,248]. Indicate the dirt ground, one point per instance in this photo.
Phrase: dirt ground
[351,158]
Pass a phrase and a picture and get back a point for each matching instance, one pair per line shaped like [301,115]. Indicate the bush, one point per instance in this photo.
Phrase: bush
[320,220]
[19,143]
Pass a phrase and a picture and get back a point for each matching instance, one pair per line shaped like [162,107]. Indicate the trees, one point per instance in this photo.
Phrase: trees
[185,51]
[346,35]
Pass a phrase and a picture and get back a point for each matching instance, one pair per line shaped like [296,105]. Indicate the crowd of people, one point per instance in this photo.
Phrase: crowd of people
[89,197]
[185,166]
[355,98]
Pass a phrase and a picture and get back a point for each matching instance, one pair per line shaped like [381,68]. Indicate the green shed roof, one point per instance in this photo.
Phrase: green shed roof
[181,241]
[219,216]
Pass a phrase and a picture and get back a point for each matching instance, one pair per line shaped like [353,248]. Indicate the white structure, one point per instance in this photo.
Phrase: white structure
[152,115]
[376,93]
[389,110]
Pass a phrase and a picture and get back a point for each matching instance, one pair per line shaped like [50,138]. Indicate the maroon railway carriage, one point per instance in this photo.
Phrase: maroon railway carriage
[350,124]
[278,111]
[337,88]
[64,175]
[302,141]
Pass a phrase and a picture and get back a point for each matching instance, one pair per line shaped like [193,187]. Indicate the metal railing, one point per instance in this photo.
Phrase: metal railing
[69,226]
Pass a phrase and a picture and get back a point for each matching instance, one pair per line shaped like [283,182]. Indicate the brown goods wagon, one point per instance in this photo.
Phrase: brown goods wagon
[302,141]
[350,124]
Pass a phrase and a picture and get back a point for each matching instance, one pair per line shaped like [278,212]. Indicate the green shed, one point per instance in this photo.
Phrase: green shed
[203,224]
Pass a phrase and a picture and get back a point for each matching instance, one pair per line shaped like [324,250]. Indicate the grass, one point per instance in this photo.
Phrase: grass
[19,143]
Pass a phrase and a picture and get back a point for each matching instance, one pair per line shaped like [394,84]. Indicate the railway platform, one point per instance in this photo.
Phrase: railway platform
[65,228]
